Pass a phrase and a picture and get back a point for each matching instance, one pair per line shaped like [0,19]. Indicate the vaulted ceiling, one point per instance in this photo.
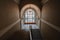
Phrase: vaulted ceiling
[38,3]
[43,1]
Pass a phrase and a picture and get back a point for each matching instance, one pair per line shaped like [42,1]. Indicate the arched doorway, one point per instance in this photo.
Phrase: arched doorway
[30,15]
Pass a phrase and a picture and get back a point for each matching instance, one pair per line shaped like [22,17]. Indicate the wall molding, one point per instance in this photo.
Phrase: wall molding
[51,25]
[3,31]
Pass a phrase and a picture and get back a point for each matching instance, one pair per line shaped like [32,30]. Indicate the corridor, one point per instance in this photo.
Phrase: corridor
[29,19]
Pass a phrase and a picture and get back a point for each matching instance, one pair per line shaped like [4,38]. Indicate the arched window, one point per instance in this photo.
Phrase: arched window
[29,16]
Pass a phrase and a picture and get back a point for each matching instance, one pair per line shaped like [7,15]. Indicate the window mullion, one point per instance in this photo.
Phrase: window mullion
[29,16]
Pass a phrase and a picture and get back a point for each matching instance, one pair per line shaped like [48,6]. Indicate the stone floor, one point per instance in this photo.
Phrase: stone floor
[24,35]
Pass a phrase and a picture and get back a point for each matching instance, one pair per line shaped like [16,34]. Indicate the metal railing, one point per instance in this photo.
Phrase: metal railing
[30,31]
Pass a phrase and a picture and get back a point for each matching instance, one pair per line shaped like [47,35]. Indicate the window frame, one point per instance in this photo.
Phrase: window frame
[29,18]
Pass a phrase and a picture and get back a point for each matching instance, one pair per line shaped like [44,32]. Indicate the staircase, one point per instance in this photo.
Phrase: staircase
[36,34]
[23,35]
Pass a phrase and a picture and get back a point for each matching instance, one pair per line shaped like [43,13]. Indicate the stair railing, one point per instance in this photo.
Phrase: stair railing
[30,31]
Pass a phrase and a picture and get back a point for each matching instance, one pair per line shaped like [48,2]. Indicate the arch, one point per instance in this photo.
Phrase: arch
[37,13]
[30,6]
[30,16]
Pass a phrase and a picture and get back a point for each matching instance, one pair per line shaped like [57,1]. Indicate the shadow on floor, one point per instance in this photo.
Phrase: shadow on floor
[19,35]
[24,35]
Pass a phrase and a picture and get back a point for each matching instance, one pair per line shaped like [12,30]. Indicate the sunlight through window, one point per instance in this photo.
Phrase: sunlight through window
[29,16]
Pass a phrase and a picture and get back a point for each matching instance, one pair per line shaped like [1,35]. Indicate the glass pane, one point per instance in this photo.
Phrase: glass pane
[29,12]
[26,16]
[33,16]
[26,21]
[33,20]
[29,16]
[29,20]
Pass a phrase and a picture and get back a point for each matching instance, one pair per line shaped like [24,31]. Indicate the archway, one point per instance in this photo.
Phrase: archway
[30,15]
